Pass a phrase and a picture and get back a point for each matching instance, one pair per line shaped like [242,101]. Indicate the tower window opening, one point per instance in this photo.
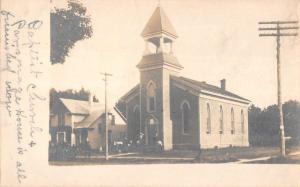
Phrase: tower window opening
[151,97]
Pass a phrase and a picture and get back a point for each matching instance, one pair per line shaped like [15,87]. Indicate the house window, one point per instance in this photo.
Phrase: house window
[232,122]
[100,128]
[242,122]
[61,119]
[185,113]
[110,137]
[221,120]
[151,97]
[136,121]
[61,137]
[208,120]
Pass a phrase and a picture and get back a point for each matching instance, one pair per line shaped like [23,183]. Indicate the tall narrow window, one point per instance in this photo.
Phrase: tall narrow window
[61,119]
[242,121]
[185,111]
[221,120]
[232,122]
[151,97]
[136,122]
[110,137]
[208,120]
[100,128]
[61,137]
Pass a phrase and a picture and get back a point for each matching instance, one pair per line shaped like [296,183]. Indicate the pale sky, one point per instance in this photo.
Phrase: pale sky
[217,39]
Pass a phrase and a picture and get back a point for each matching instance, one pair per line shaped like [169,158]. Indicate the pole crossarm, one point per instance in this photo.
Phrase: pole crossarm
[106,74]
[275,28]
[281,34]
[277,22]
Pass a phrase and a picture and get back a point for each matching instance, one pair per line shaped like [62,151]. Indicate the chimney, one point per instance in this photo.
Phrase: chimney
[223,84]
[113,120]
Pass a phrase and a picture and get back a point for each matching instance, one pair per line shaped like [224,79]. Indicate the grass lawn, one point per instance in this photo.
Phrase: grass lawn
[223,155]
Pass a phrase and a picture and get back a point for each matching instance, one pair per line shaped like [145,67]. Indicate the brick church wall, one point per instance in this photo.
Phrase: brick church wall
[226,139]
[191,139]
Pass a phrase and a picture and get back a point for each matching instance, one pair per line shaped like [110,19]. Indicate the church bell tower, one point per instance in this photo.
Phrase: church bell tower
[156,66]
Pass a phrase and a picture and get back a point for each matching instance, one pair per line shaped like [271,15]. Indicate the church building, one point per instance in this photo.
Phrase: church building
[180,112]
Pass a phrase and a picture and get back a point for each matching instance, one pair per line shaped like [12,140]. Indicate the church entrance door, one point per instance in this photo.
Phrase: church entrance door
[153,134]
[152,131]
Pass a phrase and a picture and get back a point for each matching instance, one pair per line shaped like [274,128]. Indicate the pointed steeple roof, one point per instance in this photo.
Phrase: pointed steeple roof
[159,23]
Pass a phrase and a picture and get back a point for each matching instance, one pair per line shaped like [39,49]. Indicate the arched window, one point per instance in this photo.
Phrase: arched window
[221,120]
[151,97]
[232,122]
[185,116]
[208,120]
[136,122]
[136,111]
[242,122]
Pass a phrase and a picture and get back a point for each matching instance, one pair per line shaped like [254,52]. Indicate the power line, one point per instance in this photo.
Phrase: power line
[278,31]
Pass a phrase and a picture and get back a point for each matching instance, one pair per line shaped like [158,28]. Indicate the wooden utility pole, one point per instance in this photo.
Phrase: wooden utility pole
[106,116]
[277,29]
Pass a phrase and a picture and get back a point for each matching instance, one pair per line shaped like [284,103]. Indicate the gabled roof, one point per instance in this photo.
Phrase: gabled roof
[90,119]
[95,114]
[159,23]
[159,59]
[76,106]
[92,113]
[203,86]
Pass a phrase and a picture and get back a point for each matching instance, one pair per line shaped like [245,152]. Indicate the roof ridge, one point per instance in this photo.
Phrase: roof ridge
[72,99]
[211,88]
[204,82]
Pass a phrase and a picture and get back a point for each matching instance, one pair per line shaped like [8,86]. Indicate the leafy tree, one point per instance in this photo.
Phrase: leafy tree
[254,115]
[270,125]
[82,94]
[67,27]
[264,124]
[291,110]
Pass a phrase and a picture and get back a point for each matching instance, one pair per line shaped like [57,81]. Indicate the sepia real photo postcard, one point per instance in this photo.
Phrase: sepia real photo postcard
[150,93]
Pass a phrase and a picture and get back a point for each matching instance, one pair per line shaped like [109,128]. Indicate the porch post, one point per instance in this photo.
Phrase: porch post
[146,134]
[73,138]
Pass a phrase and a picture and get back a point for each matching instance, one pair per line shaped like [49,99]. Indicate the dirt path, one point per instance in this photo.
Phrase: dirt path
[263,158]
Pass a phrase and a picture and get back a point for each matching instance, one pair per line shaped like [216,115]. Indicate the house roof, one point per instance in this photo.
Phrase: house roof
[159,23]
[203,86]
[76,106]
[95,114]
[90,119]
[92,112]
[159,59]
